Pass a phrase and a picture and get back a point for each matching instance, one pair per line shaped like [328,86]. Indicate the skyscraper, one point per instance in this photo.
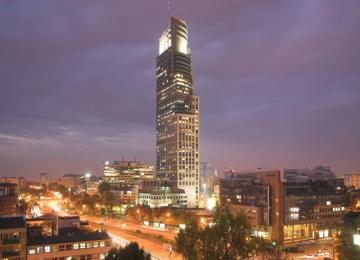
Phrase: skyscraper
[177,126]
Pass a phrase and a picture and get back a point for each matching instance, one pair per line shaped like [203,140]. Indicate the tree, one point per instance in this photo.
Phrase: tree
[230,237]
[346,248]
[132,251]
[23,206]
[103,187]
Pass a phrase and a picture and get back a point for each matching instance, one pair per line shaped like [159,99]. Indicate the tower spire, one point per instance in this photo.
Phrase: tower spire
[168,10]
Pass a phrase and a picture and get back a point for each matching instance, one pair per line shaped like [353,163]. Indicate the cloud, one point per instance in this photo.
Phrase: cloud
[278,82]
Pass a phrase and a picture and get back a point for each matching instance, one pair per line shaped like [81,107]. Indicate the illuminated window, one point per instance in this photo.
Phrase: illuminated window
[47,249]
[102,244]
[75,246]
[96,244]
[89,245]
[82,245]
[32,251]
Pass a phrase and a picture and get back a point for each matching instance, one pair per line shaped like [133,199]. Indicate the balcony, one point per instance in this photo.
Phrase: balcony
[10,254]
[11,241]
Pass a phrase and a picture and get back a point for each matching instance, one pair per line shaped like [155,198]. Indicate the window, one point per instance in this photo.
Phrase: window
[82,245]
[75,246]
[47,249]
[32,251]
[102,244]
[89,245]
[96,244]
[40,249]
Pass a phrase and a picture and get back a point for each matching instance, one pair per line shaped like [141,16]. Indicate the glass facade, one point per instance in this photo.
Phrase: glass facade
[177,122]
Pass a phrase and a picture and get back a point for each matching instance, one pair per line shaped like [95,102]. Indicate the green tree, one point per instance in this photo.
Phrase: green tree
[103,187]
[229,238]
[346,248]
[23,206]
[132,251]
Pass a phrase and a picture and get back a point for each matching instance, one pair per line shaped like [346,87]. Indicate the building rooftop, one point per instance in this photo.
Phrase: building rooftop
[9,222]
[74,236]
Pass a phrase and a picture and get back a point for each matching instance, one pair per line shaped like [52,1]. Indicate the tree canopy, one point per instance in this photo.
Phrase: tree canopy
[132,251]
[346,248]
[229,237]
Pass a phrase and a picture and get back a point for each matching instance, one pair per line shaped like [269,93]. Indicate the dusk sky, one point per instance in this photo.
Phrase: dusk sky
[279,83]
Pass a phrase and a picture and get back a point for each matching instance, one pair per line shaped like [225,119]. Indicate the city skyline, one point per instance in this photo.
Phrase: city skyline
[79,86]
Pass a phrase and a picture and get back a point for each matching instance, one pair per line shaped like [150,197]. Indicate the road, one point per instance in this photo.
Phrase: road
[122,233]
[146,238]
[152,245]
[317,251]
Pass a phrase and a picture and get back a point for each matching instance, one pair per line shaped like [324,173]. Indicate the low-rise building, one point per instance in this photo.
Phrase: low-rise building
[79,244]
[286,208]
[71,181]
[8,199]
[163,196]
[121,173]
[352,180]
[19,181]
[13,238]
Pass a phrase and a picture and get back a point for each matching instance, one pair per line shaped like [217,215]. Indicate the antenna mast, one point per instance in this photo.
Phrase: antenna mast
[168,10]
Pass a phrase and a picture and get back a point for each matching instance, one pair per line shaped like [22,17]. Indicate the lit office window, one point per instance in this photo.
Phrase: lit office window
[82,245]
[47,249]
[75,246]
[102,244]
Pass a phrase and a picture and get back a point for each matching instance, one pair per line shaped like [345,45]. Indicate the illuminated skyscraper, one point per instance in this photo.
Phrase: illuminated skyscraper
[177,126]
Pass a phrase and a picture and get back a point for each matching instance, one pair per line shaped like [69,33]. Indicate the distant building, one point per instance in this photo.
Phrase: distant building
[75,244]
[44,178]
[319,172]
[209,187]
[92,187]
[71,181]
[126,173]
[286,209]
[160,193]
[8,199]
[352,180]
[13,238]
[19,181]
[66,222]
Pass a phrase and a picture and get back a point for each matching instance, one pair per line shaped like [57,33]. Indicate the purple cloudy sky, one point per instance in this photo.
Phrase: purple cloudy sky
[279,82]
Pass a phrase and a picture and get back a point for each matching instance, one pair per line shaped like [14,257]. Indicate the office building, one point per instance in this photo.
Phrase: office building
[19,181]
[352,180]
[177,113]
[13,238]
[44,178]
[71,181]
[163,197]
[8,199]
[126,173]
[286,209]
